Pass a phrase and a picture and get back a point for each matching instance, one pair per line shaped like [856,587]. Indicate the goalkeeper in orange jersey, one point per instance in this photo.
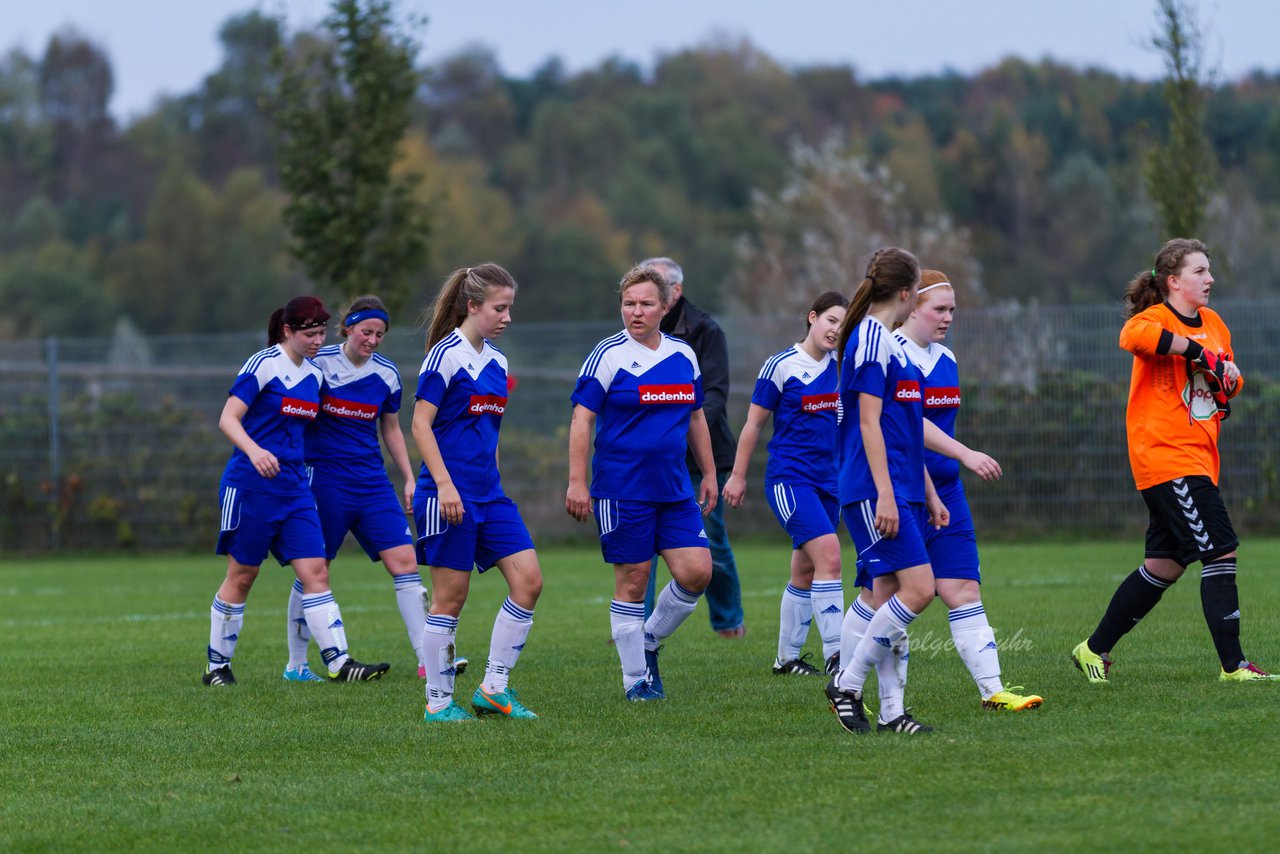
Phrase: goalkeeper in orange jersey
[1179,394]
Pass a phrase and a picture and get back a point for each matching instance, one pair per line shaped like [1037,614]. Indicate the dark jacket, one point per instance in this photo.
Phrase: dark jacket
[697,329]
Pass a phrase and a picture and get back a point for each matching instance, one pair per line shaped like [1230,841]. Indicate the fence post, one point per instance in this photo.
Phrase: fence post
[55,443]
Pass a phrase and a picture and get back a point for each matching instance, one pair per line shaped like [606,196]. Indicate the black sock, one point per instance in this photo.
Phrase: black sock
[1133,600]
[1221,602]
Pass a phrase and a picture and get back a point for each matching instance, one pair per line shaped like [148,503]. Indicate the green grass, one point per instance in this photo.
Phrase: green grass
[108,740]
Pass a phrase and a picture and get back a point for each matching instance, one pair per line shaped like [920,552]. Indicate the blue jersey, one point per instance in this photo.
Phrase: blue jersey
[941,398]
[804,398]
[469,391]
[643,400]
[874,363]
[342,443]
[283,398]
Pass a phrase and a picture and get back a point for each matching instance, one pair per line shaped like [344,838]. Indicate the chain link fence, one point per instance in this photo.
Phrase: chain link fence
[110,444]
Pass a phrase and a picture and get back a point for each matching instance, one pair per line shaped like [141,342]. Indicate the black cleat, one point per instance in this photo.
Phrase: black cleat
[219,678]
[354,671]
[904,723]
[847,706]
[795,667]
[833,663]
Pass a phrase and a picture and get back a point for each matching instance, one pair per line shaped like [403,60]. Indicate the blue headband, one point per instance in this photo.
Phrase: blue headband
[366,314]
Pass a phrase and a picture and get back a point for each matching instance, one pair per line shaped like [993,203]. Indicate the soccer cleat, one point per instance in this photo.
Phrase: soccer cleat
[904,723]
[795,667]
[833,663]
[452,713]
[459,667]
[642,692]
[1008,701]
[1246,672]
[1095,667]
[652,676]
[219,678]
[500,703]
[354,671]
[848,708]
[300,674]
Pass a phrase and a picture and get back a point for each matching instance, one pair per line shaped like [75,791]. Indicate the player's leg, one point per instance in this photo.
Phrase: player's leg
[450,586]
[628,540]
[795,615]
[226,620]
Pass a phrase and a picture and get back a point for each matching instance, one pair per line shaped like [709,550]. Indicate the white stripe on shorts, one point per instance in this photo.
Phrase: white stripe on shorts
[786,501]
[606,515]
[229,505]
[869,520]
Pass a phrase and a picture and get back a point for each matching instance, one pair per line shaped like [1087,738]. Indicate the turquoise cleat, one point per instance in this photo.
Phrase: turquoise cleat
[503,703]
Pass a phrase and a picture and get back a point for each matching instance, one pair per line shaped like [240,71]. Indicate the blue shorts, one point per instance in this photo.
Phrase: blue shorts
[635,531]
[804,511]
[879,555]
[373,515]
[489,531]
[953,551]
[257,523]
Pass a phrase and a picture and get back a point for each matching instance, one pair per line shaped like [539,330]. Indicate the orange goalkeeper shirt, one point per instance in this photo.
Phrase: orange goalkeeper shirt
[1172,421]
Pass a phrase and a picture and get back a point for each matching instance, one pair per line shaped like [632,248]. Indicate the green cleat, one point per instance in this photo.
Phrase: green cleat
[1246,672]
[452,713]
[1094,667]
[501,703]
[1008,701]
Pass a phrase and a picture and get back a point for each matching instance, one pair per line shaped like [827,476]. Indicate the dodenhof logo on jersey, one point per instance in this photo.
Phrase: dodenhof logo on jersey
[340,408]
[820,402]
[678,393]
[907,391]
[299,408]
[941,398]
[487,404]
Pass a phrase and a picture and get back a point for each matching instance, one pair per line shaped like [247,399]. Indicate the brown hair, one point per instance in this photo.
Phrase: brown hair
[888,271]
[298,313]
[827,300]
[363,303]
[1151,287]
[464,286]
[641,273]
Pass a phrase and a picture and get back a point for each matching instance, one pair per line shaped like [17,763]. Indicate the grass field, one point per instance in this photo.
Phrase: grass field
[108,740]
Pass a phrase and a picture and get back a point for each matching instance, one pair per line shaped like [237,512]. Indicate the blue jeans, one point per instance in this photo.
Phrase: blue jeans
[724,594]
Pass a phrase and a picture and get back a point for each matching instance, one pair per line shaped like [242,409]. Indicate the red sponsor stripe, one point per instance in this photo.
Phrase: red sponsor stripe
[340,408]
[907,391]
[820,402]
[295,408]
[677,393]
[941,398]
[487,404]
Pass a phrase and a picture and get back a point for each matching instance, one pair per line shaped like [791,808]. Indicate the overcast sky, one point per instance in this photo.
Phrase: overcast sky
[168,46]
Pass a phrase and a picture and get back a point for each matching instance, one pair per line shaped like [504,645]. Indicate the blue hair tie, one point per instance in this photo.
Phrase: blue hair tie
[366,314]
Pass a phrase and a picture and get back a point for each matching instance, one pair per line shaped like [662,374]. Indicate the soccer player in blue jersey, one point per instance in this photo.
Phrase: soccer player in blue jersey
[266,503]
[359,399]
[886,496]
[953,550]
[465,521]
[799,387]
[641,393]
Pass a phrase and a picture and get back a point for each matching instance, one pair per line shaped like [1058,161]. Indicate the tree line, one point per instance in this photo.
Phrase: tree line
[1027,178]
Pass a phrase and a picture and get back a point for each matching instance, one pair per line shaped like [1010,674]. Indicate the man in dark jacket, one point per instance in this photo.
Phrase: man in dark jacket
[695,327]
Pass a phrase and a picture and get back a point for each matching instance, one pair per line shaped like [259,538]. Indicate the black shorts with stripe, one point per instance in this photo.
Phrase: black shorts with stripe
[1189,522]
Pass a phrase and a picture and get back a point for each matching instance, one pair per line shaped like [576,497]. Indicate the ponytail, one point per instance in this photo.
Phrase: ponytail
[305,312]
[1151,287]
[888,271]
[464,286]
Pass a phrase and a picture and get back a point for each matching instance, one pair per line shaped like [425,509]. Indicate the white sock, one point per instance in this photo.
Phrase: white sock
[225,622]
[828,613]
[438,636]
[297,635]
[325,621]
[891,679]
[856,620]
[411,599]
[887,627]
[673,607]
[627,622]
[976,642]
[510,631]
[793,626]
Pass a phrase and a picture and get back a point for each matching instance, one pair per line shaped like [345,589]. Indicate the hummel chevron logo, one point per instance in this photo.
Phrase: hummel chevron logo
[1184,490]
[1198,527]
[1186,504]
[1235,615]
[1202,540]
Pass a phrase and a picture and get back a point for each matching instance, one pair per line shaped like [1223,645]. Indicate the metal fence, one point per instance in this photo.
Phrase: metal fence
[113,444]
